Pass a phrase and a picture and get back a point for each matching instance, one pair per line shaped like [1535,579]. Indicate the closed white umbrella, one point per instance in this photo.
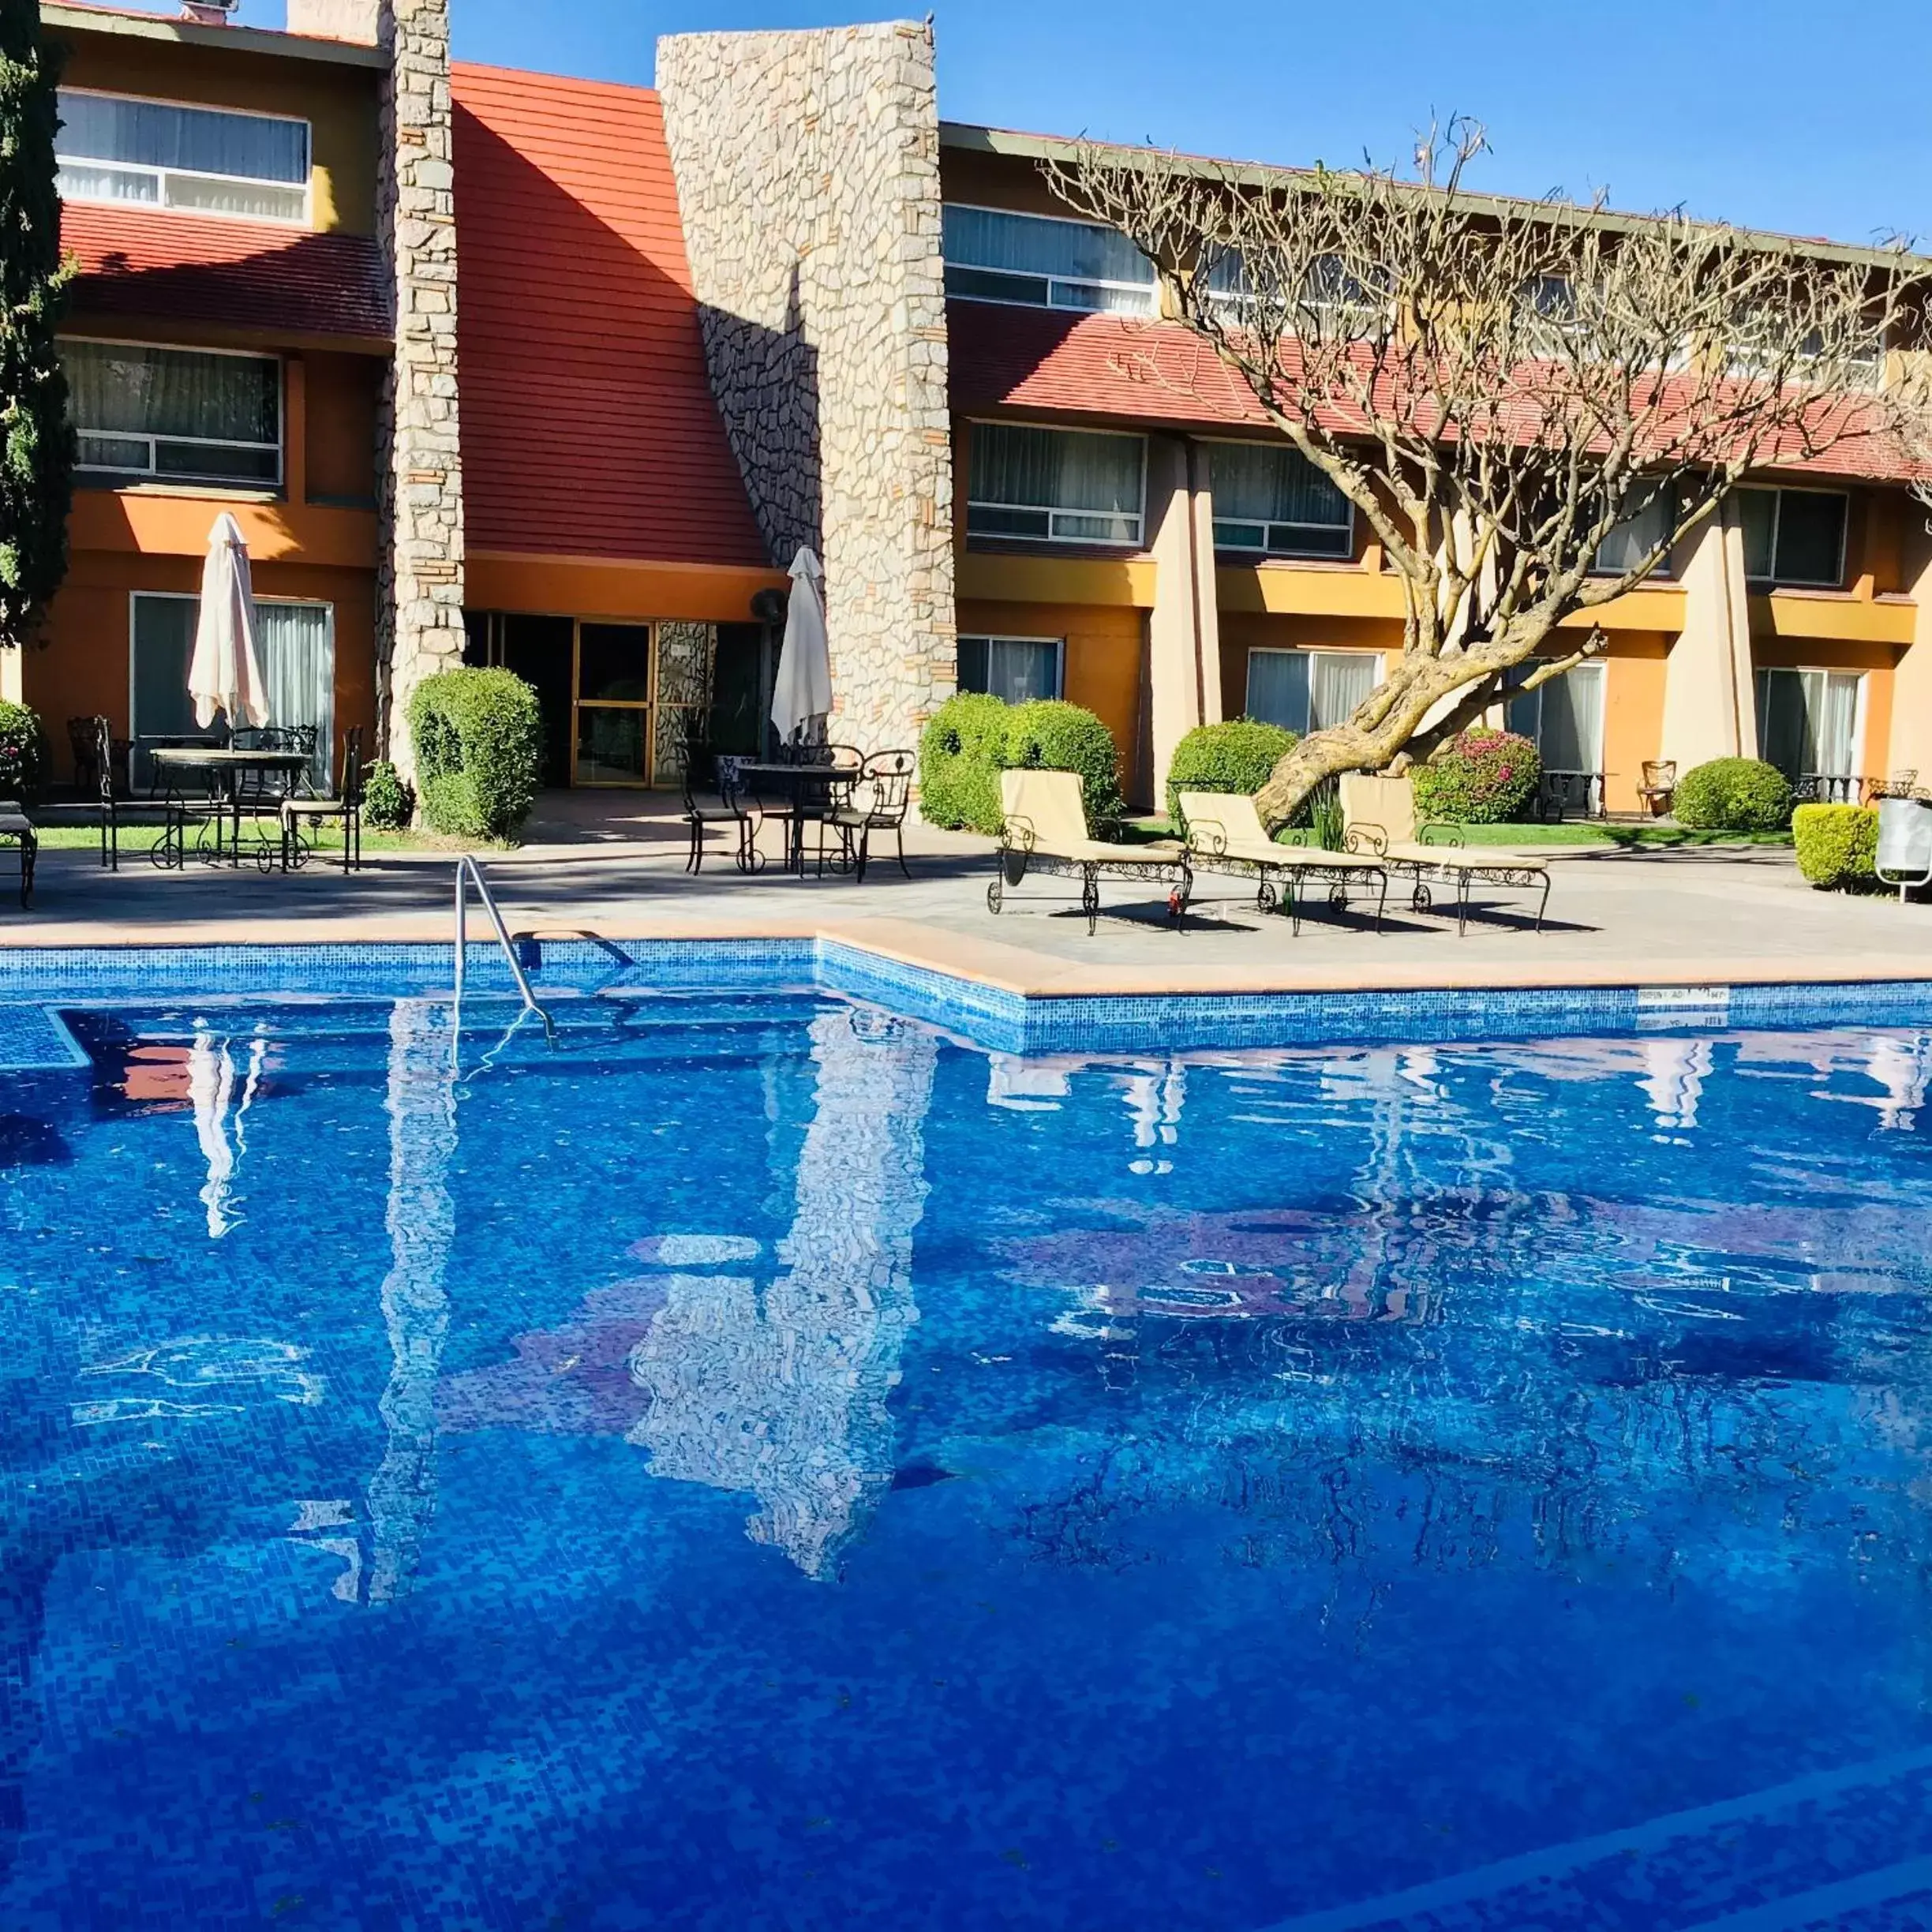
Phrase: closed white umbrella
[225,673]
[801,691]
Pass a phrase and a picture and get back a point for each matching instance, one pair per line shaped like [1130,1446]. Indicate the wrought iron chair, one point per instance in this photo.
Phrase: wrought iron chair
[347,805]
[105,808]
[876,803]
[701,811]
[814,800]
[17,829]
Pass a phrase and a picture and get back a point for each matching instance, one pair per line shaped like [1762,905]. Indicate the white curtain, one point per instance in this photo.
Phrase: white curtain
[1278,688]
[1837,723]
[1341,681]
[1056,468]
[1035,245]
[297,643]
[119,387]
[1570,736]
[144,133]
[1258,484]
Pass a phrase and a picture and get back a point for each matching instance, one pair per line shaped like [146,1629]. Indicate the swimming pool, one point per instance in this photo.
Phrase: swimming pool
[770,1461]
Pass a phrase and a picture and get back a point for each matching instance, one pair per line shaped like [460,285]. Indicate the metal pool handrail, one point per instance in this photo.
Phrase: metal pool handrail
[467,869]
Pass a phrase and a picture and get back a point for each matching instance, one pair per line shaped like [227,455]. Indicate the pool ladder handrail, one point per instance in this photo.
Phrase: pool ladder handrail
[468,870]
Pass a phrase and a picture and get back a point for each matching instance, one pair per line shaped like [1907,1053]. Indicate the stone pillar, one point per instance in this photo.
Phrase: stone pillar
[419,627]
[1709,701]
[1184,636]
[1911,749]
[807,171]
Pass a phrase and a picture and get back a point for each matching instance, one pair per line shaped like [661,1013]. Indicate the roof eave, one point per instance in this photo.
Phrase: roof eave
[56,14]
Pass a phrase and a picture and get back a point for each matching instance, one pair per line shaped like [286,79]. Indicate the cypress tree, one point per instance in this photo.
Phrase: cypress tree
[36,441]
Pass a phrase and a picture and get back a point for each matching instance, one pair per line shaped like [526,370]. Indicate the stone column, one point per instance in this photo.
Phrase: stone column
[1710,702]
[807,171]
[420,586]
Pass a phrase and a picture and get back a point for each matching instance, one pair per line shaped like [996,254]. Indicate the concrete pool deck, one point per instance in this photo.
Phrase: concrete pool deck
[613,868]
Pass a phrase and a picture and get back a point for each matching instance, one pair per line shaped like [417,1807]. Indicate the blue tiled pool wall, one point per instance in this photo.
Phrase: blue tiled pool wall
[32,980]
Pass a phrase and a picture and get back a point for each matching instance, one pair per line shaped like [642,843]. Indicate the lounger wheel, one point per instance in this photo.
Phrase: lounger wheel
[1337,898]
[1419,898]
[996,894]
[1266,898]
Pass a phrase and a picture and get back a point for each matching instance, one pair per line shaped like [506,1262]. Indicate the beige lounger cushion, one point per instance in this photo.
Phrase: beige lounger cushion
[1226,825]
[15,822]
[1465,858]
[1044,813]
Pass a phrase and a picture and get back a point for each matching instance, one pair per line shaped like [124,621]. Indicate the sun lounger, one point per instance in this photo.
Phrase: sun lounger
[1225,834]
[1044,829]
[17,829]
[1437,853]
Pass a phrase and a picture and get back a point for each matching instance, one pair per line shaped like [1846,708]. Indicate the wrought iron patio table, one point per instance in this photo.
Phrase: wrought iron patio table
[832,779]
[229,766]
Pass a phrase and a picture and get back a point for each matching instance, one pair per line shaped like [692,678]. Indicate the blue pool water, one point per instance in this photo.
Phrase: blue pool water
[768,1464]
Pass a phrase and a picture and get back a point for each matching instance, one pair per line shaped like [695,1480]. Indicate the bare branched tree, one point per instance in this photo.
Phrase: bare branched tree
[1501,389]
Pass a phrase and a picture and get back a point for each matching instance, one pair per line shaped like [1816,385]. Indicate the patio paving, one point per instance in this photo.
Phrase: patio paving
[613,866]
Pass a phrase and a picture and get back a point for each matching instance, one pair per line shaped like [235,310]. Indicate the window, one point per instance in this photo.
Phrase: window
[1016,670]
[295,642]
[1633,539]
[1275,502]
[1564,718]
[1309,690]
[1793,537]
[1809,722]
[156,154]
[1063,486]
[1041,263]
[175,415]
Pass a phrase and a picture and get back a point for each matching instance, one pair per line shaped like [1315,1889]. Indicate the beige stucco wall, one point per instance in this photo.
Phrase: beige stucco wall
[1708,709]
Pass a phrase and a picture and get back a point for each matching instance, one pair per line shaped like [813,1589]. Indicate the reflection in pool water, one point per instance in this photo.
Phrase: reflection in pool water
[767,1465]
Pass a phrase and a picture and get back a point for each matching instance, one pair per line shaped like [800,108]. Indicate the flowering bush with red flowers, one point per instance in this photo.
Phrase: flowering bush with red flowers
[1483,777]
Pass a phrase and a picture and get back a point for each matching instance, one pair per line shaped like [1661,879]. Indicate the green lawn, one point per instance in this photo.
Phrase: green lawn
[140,838]
[1573,833]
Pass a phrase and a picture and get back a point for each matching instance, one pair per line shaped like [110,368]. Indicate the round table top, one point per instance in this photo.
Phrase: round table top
[225,755]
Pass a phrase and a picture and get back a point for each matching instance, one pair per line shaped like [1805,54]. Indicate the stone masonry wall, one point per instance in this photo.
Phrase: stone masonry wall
[420,586]
[807,169]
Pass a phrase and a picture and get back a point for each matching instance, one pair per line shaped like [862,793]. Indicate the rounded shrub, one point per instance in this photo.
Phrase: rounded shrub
[961,753]
[1482,778]
[1733,795]
[388,803]
[1238,756]
[23,753]
[1051,735]
[479,752]
[1837,845]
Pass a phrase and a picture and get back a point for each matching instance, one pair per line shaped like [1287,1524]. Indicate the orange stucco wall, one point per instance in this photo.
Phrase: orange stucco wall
[83,667]
[592,587]
[1104,646]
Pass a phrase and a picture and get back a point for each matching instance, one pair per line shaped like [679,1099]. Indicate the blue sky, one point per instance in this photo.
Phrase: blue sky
[1780,114]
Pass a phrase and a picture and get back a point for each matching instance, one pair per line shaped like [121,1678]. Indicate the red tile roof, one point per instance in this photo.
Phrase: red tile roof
[589,428]
[1096,369]
[231,275]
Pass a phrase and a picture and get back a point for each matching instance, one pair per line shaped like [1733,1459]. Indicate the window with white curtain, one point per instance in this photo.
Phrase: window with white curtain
[1809,722]
[1309,690]
[1273,501]
[295,642]
[1015,669]
[174,415]
[1793,537]
[1060,485]
[199,160]
[1563,719]
[1039,261]
[1634,538]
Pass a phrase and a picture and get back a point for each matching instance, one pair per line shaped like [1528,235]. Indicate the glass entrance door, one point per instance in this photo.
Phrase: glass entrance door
[613,723]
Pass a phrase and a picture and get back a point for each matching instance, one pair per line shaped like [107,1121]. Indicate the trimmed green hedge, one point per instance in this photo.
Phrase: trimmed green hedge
[1482,778]
[1051,734]
[23,758]
[1733,795]
[479,752]
[388,803]
[1837,845]
[973,737]
[961,752]
[1238,756]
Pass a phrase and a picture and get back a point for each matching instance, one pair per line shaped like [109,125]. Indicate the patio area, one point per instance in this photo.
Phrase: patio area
[611,864]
